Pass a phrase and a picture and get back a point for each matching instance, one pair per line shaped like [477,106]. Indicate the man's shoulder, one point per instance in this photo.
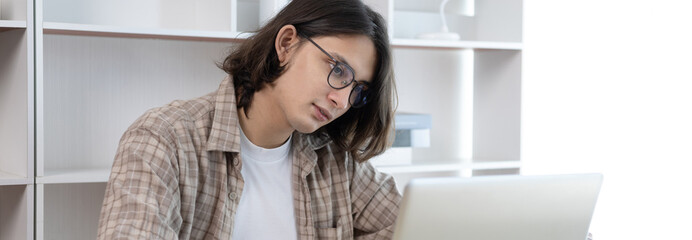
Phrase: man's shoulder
[179,113]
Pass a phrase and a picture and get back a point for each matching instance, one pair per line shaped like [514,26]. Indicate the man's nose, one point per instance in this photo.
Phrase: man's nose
[339,97]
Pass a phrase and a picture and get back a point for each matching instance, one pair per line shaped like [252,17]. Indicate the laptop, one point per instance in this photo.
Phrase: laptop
[510,207]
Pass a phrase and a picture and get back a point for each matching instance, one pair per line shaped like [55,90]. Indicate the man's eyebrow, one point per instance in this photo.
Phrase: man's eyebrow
[342,59]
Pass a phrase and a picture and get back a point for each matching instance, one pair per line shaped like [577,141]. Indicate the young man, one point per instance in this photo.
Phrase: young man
[280,150]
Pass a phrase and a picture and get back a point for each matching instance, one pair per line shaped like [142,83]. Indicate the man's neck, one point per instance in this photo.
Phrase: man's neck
[264,125]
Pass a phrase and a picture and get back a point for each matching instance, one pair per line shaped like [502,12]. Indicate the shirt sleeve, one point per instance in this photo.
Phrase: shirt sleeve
[375,203]
[142,199]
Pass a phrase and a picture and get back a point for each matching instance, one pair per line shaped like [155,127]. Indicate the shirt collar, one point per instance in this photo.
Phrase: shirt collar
[225,128]
[305,149]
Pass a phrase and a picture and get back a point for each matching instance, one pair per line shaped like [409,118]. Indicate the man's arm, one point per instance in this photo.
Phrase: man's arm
[375,203]
[141,199]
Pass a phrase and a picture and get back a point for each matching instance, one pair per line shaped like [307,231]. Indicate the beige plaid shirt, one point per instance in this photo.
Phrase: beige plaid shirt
[176,175]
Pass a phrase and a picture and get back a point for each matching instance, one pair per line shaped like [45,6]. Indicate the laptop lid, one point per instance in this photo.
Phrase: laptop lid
[499,208]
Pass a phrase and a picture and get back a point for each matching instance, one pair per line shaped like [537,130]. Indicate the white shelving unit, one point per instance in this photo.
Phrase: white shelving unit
[97,70]
[16,120]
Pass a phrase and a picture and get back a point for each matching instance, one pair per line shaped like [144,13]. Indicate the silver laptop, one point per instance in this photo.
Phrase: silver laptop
[556,207]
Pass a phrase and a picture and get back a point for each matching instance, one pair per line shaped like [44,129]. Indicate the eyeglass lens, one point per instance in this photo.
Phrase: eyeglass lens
[359,95]
[340,76]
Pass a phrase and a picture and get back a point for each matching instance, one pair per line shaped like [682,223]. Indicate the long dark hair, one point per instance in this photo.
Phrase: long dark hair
[362,132]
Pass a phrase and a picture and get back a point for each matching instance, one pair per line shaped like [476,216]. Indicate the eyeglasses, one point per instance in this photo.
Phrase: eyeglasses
[341,76]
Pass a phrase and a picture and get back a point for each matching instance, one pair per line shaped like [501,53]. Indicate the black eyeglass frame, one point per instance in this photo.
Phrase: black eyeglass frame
[365,85]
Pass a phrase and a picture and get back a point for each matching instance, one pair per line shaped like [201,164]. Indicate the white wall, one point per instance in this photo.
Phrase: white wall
[607,87]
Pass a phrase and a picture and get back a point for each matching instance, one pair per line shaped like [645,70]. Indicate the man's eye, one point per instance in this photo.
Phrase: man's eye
[338,71]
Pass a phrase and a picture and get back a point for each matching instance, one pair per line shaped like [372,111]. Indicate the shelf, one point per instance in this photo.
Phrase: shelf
[427,168]
[6,25]
[98,175]
[420,168]
[421,43]
[132,32]
[177,34]
[11,179]
[491,165]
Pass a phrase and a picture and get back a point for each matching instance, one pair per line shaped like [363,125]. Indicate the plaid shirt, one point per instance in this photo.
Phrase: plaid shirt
[176,175]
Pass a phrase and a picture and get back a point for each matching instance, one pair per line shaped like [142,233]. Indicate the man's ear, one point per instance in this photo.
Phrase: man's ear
[284,42]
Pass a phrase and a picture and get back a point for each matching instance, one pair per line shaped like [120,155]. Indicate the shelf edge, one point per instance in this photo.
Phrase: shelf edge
[6,25]
[132,32]
[179,34]
[8,179]
[99,175]
[428,168]
[486,45]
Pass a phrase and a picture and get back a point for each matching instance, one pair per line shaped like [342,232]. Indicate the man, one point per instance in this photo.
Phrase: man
[280,150]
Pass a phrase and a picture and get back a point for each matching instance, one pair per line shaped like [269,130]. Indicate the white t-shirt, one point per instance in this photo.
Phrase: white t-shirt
[265,210]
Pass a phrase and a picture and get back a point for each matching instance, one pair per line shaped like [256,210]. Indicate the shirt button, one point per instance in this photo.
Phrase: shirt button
[232,195]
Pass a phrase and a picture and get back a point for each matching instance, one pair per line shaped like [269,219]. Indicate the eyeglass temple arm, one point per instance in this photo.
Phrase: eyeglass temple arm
[318,46]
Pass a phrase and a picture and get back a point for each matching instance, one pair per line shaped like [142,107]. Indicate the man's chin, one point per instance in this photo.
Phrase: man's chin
[306,129]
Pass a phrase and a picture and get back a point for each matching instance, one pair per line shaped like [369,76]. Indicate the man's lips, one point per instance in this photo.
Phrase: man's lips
[322,114]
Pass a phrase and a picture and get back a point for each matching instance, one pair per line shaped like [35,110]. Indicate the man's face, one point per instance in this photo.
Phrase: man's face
[304,97]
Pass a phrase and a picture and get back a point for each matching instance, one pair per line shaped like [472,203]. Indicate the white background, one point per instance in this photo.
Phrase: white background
[607,87]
